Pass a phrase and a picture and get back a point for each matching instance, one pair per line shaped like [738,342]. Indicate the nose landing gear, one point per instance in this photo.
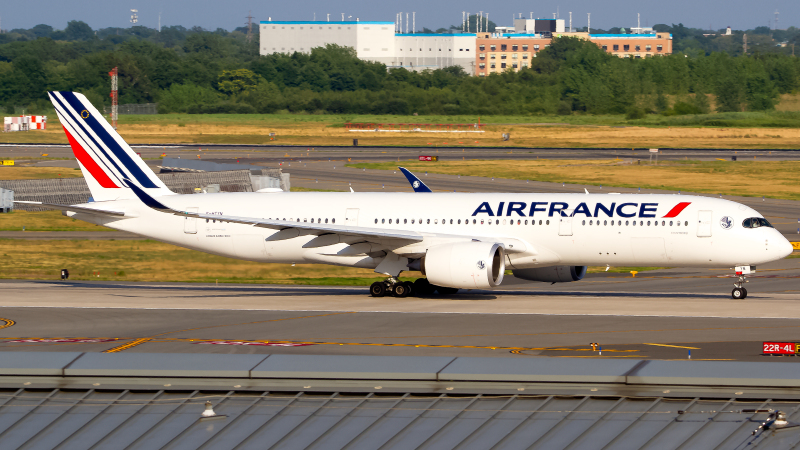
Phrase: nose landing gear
[739,292]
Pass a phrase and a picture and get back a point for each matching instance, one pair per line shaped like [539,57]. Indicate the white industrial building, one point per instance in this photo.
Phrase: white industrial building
[373,41]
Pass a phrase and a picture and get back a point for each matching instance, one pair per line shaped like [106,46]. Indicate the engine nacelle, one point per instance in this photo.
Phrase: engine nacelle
[466,265]
[552,274]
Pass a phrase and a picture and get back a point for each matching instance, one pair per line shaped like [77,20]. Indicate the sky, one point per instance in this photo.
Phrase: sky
[739,14]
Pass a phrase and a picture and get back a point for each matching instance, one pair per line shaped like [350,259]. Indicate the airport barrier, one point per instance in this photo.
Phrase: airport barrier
[71,191]
[424,373]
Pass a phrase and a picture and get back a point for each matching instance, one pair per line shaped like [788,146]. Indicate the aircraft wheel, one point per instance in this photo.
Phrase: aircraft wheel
[422,287]
[745,292]
[738,294]
[447,290]
[378,289]
[410,286]
[401,290]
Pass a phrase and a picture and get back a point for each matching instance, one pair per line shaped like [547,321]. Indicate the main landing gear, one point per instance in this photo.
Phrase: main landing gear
[421,287]
[739,292]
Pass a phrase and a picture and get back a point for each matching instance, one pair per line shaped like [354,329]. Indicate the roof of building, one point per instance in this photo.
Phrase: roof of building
[628,36]
[435,34]
[324,22]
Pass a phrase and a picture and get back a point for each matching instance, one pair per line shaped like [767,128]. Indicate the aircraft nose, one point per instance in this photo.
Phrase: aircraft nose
[785,248]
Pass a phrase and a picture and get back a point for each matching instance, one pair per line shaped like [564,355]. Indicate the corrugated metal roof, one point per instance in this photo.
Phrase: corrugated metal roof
[152,419]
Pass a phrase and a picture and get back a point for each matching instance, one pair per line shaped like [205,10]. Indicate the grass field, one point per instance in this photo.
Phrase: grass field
[777,129]
[29,173]
[773,179]
[157,262]
[44,221]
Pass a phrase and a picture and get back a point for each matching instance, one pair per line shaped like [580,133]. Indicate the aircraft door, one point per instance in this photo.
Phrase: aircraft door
[704,224]
[351,217]
[190,223]
[565,223]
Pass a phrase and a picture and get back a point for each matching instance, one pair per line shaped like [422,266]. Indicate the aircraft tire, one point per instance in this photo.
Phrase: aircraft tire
[410,286]
[422,287]
[738,293]
[378,289]
[401,290]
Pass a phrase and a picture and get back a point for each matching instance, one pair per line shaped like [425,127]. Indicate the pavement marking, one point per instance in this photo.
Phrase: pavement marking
[131,344]
[8,323]
[673,346]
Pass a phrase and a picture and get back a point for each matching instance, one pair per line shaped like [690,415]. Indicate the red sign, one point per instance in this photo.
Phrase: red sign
[779,348]
[268,344]
[428,158]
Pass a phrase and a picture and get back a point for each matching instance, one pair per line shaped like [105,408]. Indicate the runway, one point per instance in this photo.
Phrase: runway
[666,315]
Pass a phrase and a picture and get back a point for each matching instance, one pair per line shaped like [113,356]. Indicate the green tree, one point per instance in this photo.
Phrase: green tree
[232,82]
[78,31]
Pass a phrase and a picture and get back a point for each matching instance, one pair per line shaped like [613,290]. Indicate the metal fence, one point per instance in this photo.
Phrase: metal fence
[71,191]
[142,108]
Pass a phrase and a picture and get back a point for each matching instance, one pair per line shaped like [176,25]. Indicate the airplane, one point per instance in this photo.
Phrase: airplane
[457,240]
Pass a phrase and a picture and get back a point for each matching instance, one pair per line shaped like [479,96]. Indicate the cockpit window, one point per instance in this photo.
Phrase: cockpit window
[756,222]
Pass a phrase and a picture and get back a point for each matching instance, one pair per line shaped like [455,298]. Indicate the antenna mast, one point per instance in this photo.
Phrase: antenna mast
[134,16]
[250,26]
[114,74]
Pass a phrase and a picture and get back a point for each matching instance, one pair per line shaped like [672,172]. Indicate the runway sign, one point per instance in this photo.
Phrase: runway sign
[428,158]
[268,344]
[796,245]
[779,348]
[8,162]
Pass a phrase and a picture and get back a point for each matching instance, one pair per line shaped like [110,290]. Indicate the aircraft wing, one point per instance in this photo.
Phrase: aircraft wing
[416,183]
[297,227]
[73,208]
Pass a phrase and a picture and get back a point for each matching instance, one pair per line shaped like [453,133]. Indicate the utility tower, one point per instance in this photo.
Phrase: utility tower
[134,16]
[249,26]
[114,74]
[744,43]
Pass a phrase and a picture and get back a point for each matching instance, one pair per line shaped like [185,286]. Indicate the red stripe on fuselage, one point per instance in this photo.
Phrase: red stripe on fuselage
[87,161]
[677,209]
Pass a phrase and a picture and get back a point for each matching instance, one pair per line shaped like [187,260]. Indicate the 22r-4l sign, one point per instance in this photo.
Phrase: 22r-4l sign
[779,348]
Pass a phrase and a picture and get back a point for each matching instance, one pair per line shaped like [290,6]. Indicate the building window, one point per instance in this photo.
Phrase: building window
[502,65]
[483,47]
[514,56]
[503,56]
[482,65]
[503,47]
[605,48]
[525,64]
[493,47]
[626,48]
[536,47]
[492,56]
[482,74]
[524,56]
[524,47]
[482,56]
[638,48]
[514,47]
[491,66]
[648,48]
[616,47]
[514,65]
[658,48]
[658,36]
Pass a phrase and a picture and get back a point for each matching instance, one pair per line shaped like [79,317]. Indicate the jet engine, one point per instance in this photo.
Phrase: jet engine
[552,274]
[466,265]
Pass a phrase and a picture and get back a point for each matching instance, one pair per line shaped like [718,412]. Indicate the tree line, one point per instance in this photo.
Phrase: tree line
[201,71]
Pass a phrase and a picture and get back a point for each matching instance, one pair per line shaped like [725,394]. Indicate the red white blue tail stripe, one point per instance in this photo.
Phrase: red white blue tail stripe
[102,152]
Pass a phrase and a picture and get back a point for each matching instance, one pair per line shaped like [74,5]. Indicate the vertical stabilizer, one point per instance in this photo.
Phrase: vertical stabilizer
[104,157]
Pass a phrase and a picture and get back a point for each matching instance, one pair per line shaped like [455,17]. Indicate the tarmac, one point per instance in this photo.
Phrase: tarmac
[665,314]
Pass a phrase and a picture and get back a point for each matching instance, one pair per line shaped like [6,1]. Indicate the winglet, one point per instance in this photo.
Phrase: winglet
[147,199]
[416,183]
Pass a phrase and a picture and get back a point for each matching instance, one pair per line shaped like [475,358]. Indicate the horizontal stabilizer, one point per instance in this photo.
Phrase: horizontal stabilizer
[73,208]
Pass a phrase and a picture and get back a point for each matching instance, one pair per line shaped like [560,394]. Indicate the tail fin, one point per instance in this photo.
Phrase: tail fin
[104,157]
[416,183]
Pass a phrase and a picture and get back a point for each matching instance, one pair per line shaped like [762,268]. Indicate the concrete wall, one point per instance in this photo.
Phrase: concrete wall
[433,51]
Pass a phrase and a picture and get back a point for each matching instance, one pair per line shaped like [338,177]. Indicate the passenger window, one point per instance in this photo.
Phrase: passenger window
[547,223]
[670,223]
[326,220]
[390,221]
[405,221]
[526,222]
[504,221]
[540,221]
[626,223]
[591,222]
[451,221]
[663,222]
[686,224]
[376,220]
[584,223]
[383,220]
[459,221]
[333,220]
[605,222]
[435,221]
[429,221]
[475,221]
[648,223]
[412,221]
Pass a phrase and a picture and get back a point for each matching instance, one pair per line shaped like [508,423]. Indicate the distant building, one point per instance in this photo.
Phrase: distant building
[500,52]
[372,41]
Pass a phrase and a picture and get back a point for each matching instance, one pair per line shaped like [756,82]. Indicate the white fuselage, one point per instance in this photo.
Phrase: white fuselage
[556,229]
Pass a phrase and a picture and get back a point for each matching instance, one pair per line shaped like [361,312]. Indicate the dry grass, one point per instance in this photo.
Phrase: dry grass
[774,179]
[45,221]
[327,131]
[155,261]
[29,173]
